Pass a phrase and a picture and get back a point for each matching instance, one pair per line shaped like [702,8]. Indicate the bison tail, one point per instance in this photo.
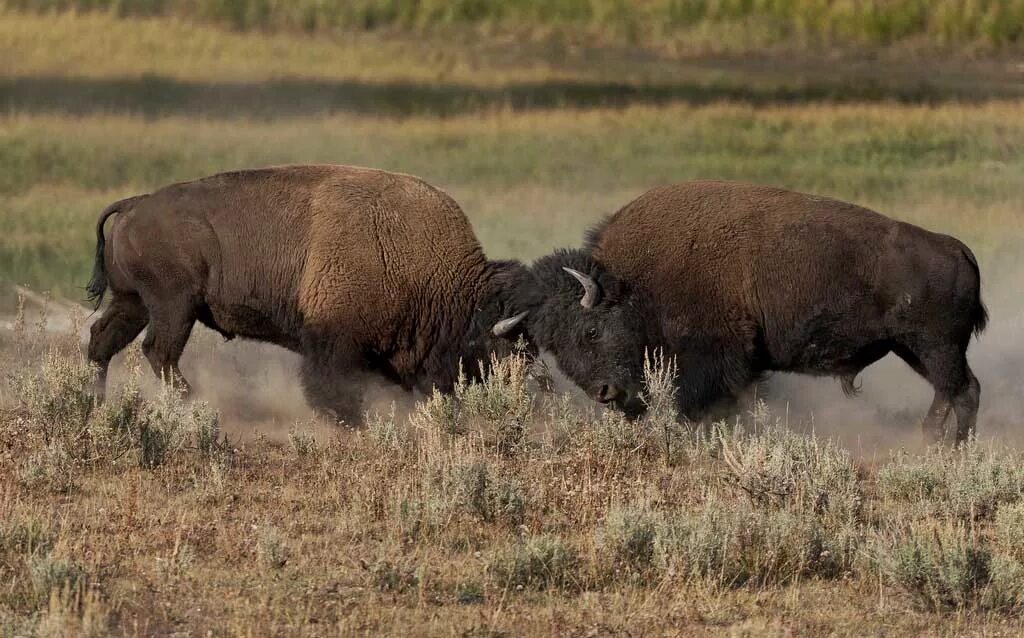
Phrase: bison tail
[980,317]
[979,314]
[98,284]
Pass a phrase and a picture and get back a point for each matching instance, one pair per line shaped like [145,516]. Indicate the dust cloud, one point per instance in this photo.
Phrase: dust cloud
[256,388]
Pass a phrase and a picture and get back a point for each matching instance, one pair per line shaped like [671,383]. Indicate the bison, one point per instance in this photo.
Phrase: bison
[357,270]
[738,280]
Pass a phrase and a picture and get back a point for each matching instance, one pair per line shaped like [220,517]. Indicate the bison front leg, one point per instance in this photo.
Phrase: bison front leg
[333,389]
[710,380]
[934,424]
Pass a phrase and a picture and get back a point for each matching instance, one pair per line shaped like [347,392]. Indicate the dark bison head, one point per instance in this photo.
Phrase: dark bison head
[593,324]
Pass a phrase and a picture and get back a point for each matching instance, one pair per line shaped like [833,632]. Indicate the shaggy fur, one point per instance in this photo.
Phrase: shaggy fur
[737,280]
[358,270]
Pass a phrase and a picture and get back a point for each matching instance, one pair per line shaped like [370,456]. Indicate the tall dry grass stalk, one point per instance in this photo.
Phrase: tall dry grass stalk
[494,498]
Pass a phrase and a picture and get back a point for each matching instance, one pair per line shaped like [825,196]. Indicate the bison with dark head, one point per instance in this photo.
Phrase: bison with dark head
[737,280]
[357,270]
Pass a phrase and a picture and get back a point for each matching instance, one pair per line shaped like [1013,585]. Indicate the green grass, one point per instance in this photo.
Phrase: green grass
[710,23]
[536,142]
[530,182]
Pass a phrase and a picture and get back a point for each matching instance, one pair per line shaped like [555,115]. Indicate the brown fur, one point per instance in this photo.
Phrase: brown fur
[737,280]
[356,269]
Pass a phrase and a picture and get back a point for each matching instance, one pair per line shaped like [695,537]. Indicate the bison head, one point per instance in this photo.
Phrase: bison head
[594,325]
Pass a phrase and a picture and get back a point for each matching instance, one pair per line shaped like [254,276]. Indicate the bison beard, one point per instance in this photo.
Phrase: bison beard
[360,271]
[738,280]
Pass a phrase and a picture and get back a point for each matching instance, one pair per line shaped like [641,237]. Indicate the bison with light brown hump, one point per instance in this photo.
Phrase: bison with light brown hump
[737,280]
[357,270]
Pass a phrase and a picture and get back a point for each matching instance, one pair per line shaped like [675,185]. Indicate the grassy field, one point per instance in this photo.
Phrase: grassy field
[522,515]
[540,517]
[535,150]
[678,24]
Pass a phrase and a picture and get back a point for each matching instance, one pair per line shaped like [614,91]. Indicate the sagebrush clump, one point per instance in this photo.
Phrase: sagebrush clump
[777,465]
[627,541]
[735,545]
[499,408]
[944,565]
[968,483]
[542,562]
[495,493]
[75,432]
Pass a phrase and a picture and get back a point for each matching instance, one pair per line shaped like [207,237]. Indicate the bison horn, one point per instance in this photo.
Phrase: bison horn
[591,291]
[502,327]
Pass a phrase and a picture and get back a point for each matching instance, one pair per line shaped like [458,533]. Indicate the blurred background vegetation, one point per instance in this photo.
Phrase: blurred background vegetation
[538,117]
[995,23]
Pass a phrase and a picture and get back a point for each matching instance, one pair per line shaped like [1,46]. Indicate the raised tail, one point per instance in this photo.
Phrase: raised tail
[979,316]
[98,284]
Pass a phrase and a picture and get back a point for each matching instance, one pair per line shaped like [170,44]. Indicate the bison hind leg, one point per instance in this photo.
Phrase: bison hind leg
[170,325]
[965,405]
[934,424]
[956,389]
[120,323]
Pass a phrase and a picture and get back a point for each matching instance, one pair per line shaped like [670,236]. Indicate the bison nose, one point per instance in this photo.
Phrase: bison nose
[607,393]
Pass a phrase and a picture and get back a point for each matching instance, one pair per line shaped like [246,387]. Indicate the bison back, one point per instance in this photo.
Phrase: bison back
[782,271]
[359,255]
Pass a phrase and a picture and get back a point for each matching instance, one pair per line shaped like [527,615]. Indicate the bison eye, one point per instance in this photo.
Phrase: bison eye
[592,334]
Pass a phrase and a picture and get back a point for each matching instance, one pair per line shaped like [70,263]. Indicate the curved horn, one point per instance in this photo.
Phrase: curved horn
[502,327]
[591,291]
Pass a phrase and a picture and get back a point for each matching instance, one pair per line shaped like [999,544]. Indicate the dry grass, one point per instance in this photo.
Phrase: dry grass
[436,524]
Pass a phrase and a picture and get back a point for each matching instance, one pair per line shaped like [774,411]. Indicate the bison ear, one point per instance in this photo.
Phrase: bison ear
[503,327]
[591,291]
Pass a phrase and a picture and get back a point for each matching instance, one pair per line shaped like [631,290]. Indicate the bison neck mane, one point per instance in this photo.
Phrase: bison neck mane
[463,338]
